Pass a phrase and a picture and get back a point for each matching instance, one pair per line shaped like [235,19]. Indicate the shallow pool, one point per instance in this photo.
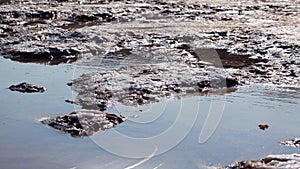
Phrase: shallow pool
[25,143]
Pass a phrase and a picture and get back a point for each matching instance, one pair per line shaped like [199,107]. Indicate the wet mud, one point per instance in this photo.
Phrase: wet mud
[27,88]
[174,52]
[145,84]
[51,56]
[292,143]
[158,49]
[271,161]
[258,38]
[83,123]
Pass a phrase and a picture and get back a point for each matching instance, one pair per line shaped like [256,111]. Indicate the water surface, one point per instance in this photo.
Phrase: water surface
[25,143]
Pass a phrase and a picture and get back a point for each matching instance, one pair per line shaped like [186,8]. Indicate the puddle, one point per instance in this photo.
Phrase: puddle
[250,106]
[47,61]
[159,65]
[224,59]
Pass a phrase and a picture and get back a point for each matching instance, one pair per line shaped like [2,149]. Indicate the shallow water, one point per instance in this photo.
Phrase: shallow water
[25,143]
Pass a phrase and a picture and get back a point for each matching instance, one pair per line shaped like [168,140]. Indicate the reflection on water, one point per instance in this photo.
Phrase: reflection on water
[26,143]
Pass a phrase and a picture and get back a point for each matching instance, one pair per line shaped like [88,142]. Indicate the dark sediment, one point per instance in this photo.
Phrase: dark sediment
[27,88]
[222,58]
[271,161]
[51,56]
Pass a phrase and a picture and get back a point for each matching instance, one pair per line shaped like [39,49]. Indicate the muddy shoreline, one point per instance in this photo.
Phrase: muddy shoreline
[157,49]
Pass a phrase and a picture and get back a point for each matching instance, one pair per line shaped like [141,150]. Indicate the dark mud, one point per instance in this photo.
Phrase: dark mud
[27,88]
[33,28]
[292,143]
[51,56]
[83,123]
[44,32]
[271,161]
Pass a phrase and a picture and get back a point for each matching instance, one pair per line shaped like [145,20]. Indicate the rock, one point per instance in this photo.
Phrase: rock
[263,126]
[84,122]
[27,88]
[271,161]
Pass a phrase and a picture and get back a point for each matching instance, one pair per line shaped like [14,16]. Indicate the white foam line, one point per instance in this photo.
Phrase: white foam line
[143,161]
